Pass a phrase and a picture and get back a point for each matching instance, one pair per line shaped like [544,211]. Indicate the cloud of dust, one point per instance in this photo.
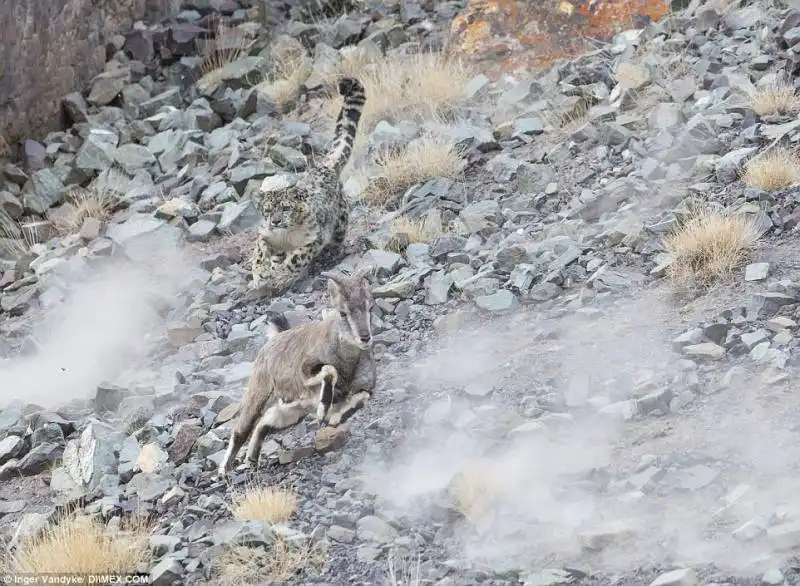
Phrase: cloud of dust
[107,323]
[565,494]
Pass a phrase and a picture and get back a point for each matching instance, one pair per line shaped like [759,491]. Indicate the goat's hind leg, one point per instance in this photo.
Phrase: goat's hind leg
[278,416]
[241,431]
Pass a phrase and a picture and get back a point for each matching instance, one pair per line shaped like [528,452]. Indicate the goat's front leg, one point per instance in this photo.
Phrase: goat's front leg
[365,375]
[296,264]
[345,409]
[326,379]
[279,416]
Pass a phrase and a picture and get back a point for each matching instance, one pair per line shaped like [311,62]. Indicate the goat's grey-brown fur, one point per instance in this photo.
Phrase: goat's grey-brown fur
[324,368]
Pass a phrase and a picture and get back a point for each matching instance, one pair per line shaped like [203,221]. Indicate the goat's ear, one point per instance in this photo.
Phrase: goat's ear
[334,287]
[366,272]
[330,275]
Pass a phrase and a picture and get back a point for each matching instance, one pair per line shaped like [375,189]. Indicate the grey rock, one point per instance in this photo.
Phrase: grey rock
[106,87]
[237,217]
[386,262]
[498,302]
[528,126]
[773,577]
[89,457]
[243,533]
[475,86]
[201,231]
[766,304]
[548,577]
[42,191]
[438,288]
[39,459]
[785,537]
[706,350]
[727,167]
[148,487]
[242,73]
[11,507]
[177,207]
[756,271]
[11,447]
[341,534]
[288,158]
[133,157]
[167,572]
[480,215]
[682,577]
[372,528]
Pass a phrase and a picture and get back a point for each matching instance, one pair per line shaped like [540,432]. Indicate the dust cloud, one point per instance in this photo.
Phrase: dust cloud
[588,489]
[110,318]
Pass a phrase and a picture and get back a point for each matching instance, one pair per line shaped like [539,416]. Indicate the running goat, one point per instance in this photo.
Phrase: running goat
[325,368]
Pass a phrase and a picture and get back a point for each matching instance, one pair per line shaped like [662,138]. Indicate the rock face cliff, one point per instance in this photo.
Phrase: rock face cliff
[54,47]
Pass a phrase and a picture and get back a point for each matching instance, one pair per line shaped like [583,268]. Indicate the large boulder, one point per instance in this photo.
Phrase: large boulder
[58,46]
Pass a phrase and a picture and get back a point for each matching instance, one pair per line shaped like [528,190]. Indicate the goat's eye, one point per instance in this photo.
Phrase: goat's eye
[342,314]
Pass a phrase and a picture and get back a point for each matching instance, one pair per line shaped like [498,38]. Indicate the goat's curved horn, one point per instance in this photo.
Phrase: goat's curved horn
[332,276]
[364,271]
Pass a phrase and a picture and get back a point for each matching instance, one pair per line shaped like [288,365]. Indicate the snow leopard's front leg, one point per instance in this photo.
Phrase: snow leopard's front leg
[262,263]
[295,265]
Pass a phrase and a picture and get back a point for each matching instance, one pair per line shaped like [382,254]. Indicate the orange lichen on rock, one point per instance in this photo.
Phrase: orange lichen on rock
[534,33]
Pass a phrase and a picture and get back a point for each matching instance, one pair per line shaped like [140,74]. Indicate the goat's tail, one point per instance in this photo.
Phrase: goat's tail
[276,323]
[352,90]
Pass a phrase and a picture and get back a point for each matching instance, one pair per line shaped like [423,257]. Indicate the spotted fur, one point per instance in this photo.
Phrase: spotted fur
[303,220]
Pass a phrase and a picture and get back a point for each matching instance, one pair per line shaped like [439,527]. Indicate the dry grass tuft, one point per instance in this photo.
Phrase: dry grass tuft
[6,152]
[81,545]
[82,204]
[244,565]
[474,490]
[416,86]
[230,44]
[18,238]
[565,121]
[778,98]
[423,159]
[403,229]
[403,571]
[710,245]
[266,503]
[289,74]
[777,169]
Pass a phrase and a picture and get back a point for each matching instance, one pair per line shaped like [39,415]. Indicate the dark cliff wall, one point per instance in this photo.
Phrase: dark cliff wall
[53,47]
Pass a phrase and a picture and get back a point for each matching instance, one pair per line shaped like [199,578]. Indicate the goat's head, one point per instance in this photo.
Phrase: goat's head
[352,298]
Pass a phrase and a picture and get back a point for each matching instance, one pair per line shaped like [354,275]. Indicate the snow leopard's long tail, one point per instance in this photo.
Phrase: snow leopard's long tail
[341,148]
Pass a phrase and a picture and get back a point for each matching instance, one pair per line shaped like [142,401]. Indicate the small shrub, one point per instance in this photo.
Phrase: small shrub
[410,231]
[229,44]
[474,490]
[81,205]
[243,565]
[18,238]
[778,98]
[423,159]
[264,504]
[777,169]
[399,86]
[402,571]
[709,246]
[81,545]
[289,74]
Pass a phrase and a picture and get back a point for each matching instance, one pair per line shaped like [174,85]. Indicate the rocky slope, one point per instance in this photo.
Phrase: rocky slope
[549,412]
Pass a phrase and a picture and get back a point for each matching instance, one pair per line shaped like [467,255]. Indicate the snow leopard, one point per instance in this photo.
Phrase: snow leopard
[303,220]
